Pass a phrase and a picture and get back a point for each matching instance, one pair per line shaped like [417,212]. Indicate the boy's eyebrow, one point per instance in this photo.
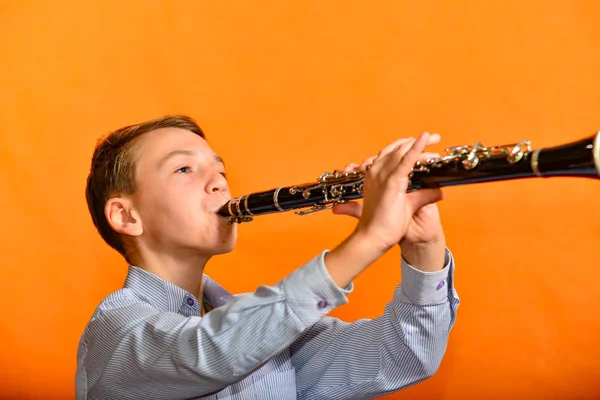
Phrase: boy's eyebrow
[173,154]
[185,153]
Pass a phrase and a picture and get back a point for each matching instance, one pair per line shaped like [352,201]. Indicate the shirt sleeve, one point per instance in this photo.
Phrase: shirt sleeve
[372,358]
[130,349]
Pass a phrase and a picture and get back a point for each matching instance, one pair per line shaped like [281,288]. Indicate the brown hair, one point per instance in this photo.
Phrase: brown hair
[112,172]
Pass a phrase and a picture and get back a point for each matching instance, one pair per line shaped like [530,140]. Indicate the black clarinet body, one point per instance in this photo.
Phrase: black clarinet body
[461,165]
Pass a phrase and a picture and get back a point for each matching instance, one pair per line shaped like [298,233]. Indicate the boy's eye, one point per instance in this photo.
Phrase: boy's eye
[185,170]
[224,175]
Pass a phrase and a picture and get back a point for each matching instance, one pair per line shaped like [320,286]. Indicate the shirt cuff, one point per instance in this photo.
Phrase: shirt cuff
[311,293]
[427,288]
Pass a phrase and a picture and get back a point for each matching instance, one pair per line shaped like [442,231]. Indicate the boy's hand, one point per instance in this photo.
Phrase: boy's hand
[416,218]
[389,216]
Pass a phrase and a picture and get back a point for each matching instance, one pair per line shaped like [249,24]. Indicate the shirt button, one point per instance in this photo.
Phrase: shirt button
[190,301]
[322,304]
[440,285]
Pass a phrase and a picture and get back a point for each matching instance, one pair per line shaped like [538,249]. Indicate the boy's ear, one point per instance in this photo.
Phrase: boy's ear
[122,217]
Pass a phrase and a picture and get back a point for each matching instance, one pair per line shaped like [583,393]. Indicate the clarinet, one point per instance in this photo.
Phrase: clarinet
[461,165]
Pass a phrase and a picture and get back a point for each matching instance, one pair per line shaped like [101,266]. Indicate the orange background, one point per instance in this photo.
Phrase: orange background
[285,91]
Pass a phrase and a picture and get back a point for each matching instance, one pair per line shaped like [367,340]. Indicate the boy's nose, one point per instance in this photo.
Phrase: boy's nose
[218,184]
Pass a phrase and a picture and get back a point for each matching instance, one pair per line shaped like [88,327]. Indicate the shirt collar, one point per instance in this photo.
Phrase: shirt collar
[169,297]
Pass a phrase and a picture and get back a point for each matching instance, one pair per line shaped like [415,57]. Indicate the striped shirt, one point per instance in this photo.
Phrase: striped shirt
[148,340]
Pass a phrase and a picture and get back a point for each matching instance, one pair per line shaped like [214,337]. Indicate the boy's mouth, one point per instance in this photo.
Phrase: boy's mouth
[226,199]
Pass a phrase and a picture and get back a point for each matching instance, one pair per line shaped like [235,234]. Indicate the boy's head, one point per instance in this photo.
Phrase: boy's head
[155,187]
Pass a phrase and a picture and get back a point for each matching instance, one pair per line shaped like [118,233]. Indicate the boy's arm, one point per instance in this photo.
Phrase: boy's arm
[133,350]
[132,347]
[372,358]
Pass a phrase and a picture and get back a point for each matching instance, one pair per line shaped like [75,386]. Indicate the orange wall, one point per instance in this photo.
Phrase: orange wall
[285,91]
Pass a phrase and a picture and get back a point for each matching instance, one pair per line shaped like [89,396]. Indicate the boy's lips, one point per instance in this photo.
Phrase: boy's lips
[221,204]
[216,210]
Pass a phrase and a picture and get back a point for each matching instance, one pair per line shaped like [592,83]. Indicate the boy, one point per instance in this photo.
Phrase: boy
[173,333]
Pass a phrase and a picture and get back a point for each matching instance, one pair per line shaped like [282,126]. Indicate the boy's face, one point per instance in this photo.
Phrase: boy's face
[180,187]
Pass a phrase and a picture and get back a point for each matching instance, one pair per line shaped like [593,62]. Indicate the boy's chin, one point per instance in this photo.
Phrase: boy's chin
[222,251]
[223,247]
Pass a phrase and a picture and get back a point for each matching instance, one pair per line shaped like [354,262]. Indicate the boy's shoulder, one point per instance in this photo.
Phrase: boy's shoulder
[121,298]
[118,309]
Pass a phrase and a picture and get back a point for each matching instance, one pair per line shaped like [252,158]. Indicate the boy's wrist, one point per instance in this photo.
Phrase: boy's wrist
[350,258]
[426,257]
